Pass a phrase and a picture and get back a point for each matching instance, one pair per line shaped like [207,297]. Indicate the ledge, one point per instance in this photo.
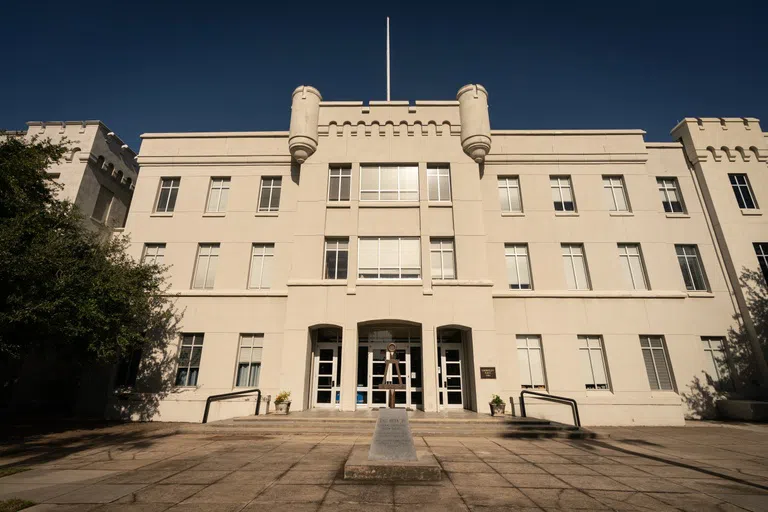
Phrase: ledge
[566,214]
[192,160]
[215,214]
[677,215]
[388,204]
[161,214]
[621,214]
[569,132]
[461,282]
[587,294]
[388,282]
[440,204]
[338,204]
[266,214]
[211,135]
[700,294]
[317,282]
[751,211]
[513,214]
[226,293]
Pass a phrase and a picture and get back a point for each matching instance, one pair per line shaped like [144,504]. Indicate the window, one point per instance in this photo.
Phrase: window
[441,254]
[189,359]
[249,360]
[205,270]
[509,194]
[339,183]
[389,258]
[103,204]
[389,183]
[261,266]
[531,362]
[616,193]
[575,267]
[269,199]
[128,370]
[562,195]
[716,360]
[336,258]
[632,263]
[439,182]
[518,267]
[166,198]
[153,254]
[593,362]
[690,265]
[671,197]
[656,365]
[218,195]
[743,191]
[761,251]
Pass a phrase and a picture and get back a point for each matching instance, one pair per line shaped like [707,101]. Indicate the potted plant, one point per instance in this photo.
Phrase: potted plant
[283,402]
[497,405]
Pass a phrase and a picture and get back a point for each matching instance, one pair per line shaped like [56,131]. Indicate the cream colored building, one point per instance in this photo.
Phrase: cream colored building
[589,264]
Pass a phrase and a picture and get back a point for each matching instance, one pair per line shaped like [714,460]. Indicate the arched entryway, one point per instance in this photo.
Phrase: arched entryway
[325,367]
[372,369]
[455,368]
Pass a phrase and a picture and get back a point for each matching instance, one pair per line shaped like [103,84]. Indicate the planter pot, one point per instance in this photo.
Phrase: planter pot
[282,407]
[497,410]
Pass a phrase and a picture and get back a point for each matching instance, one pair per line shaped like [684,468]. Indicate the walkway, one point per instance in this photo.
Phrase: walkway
[150,467]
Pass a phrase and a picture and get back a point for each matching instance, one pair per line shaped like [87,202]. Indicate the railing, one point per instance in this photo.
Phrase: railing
[225,396]
[551,398]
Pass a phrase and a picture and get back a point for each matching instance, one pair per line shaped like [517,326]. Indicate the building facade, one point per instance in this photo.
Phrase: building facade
[583,263]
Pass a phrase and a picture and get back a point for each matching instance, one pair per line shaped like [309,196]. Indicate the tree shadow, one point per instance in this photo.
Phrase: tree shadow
[738,374]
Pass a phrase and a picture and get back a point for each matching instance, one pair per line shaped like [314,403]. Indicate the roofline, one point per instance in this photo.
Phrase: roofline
[212,135]
[568,132]
[89,122]
[664,145]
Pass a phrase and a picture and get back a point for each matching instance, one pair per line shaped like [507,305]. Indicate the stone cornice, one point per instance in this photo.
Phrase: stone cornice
[194,160]
[567,158]
[214,135]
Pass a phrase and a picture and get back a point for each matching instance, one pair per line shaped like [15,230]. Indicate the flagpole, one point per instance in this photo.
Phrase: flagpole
[388,58]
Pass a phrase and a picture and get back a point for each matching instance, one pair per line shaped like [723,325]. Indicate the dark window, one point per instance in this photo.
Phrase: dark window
[743,191]
[128,370]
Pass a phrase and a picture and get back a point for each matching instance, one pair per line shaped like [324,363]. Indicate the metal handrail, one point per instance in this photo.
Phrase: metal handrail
[551,398]
[225,396]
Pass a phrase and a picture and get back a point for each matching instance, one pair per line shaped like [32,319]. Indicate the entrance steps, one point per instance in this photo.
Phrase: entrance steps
[422,424]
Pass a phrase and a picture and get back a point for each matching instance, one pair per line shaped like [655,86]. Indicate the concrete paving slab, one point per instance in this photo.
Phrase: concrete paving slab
[96,493]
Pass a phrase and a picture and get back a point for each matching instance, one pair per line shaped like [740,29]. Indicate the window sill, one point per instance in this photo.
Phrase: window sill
[461,282]
[317,282]
[214,214]
[388,204]
[588,294]
[513,214]
[337,204]
[677,216]
[696,294]
[266,214]
[99,222]
[161,214]
[227,293]
[388,282]
[621,214]
[566,214]
[751,211]
[440,204]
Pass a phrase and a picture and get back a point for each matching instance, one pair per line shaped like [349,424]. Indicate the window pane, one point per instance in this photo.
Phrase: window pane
[342,264]
[449,265]
[665,379]
[445,188]
[275,203]
[369,179]
[389,179]
[650,369]
[434,193]
[637,273]
[264,199]
[570,276]
[344,188]
[330,264]
[211,275]
[598,368]
[504,199]
[586,368]
[333,188]
[525,372]
[409,178]
[537,368]
[266,274]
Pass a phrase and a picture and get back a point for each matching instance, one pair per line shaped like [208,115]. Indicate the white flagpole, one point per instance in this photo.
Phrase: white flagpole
[388,58]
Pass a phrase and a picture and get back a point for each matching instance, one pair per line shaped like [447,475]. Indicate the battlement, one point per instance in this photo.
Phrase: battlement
[722,139]
[389,118]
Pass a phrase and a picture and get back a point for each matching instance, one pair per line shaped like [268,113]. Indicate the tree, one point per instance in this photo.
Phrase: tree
[65,290]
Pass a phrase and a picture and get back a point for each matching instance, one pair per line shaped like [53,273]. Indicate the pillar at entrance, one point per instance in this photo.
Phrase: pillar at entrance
[429,362]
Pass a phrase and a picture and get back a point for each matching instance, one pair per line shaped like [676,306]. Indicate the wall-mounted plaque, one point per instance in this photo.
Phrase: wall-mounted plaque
[487,372]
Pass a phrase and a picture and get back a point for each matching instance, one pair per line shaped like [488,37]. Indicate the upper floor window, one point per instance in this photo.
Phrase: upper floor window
[439,182]
[389,258]
[510,199]
[632,263]
[562,193]
[166,197]
[443,261]
[218,195]
[269,199]
[205,267]
[518,266]
[336,258]
[743,191]
[691,267]
[671,197]
[616,193]
[593,362]
[657,366]
[153,254]
[716,360]
[261,266]
[761,251]
[189,359]
[103,204]
[531,362]
[389,183]
[249,360]
[339,182]
[575,266]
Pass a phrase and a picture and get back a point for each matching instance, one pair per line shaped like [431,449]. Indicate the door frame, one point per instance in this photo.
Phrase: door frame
[442,375]
[336,369]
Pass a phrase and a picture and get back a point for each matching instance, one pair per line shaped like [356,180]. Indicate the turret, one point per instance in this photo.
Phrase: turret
[305,110]
[475,124]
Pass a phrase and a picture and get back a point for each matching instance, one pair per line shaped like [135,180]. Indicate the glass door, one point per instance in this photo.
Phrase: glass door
[451,381]
[327,375]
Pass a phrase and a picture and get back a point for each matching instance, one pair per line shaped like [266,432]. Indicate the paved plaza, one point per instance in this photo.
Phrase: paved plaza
[158,467]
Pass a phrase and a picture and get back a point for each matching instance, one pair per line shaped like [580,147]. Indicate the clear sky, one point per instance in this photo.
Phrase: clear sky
[159,66]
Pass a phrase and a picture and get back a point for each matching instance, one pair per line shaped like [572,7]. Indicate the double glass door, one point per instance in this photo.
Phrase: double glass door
[327,371]
[451,376]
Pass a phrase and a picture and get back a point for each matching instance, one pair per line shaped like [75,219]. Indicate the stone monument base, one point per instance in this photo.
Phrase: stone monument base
[358,467]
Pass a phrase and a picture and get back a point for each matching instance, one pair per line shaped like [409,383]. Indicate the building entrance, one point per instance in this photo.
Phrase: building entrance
[326,368]
[452,382]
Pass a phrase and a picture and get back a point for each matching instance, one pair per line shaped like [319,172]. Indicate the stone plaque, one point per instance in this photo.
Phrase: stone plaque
[392,439]
[487,372]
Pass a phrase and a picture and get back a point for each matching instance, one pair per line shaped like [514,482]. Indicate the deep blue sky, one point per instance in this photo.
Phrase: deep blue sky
[155,66]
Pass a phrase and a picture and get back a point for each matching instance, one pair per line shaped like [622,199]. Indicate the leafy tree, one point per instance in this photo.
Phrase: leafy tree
[64,289]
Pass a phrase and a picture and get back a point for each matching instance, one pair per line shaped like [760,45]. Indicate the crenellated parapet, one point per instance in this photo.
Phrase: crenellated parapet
[722,139]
